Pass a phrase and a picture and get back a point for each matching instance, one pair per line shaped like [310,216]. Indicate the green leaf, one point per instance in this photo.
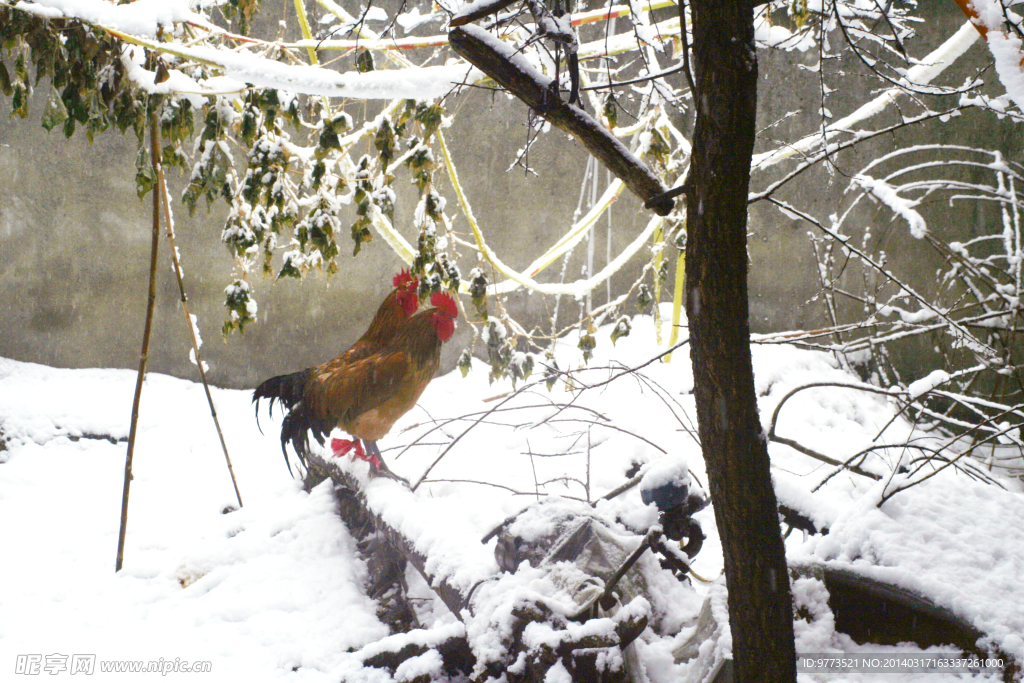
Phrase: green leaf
[451,272]
[800,12]
[162,73]
[643,298]
[360,233]
[289,270]
[22,88]
[663,272]
[241,307]
[622,329]
[244,10]
[478,291]
[465,363]
[521,370]
[19,102]
[250,124]
[551,372]
[429,117]
[384,141]
[20,70]
[364,61]
[55,113]
[611,110]
[5,80]
[145,176]
[587,345]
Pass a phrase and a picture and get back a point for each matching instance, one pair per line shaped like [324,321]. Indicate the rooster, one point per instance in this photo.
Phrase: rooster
[366,389]
[396,308]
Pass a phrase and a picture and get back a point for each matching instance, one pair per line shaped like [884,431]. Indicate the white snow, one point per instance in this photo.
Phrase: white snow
[1005,47]
[145,18]
[197,584]
[888,195]
[411,20]
[274,591]
[665,471]
[141,18]
[423,83]
[772,35]
[957,541]
[926,384]
[921,74]
[476,6]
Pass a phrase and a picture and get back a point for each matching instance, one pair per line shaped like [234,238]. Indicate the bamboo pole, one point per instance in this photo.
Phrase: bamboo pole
[143,355]
[677,302]
[161,189]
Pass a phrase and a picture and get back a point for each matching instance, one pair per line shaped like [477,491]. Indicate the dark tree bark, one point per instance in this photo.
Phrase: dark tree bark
[734,444]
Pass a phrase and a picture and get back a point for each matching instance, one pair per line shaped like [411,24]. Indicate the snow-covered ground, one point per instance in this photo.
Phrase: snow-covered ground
[274,590]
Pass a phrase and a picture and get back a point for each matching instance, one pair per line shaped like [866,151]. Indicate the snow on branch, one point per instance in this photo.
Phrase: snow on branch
[991,18]
[422,83]
[147,18]
[513,71]
[247,69]
[479,9]
[889,195]
[542,612]
[609,45]
[923,73]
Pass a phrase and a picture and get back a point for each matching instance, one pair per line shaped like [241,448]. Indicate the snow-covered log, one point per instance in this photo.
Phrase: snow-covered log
[553,613]
[450,594]
[873,611]
[511,70]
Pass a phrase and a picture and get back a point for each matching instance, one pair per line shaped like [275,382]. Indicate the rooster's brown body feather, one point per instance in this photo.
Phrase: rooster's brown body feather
[290,390]
[366,397]
[365,390]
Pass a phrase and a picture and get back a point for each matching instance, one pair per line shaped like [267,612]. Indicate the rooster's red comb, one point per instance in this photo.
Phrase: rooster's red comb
[405,280]
[446,303]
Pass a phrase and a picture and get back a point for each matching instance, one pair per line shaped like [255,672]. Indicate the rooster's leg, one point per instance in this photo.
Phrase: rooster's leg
[373,455]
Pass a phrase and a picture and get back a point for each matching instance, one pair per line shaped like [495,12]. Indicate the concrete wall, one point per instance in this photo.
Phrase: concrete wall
[74,240]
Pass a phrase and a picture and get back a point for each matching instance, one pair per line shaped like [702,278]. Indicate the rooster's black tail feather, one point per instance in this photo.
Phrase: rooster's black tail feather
[288,389]
[299,420]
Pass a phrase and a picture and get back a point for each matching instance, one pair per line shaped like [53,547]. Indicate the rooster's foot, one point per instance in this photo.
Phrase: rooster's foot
[381,468]
[385,471]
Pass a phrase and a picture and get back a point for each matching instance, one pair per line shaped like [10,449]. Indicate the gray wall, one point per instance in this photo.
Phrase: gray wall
[74,253]
[74,240]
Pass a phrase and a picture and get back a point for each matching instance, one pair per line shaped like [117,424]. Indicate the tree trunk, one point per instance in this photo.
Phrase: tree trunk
[734,443]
